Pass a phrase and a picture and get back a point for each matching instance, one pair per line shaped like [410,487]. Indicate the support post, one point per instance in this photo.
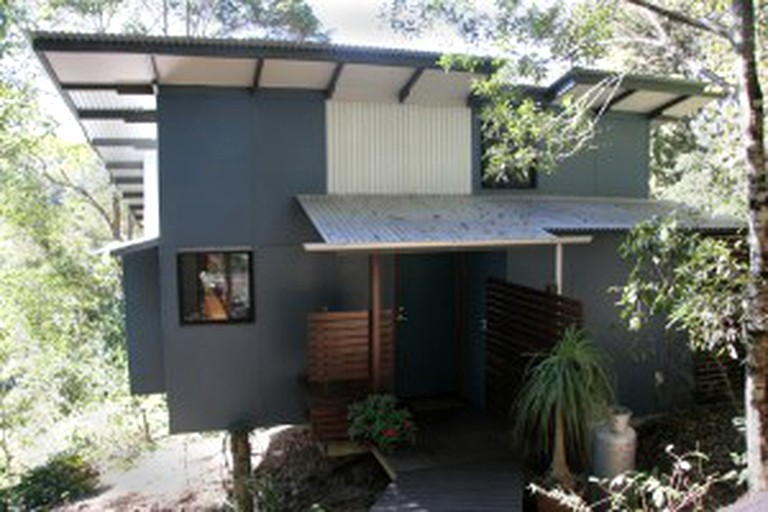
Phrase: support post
[559,268]
[459,288]
[240,446]
[375,321]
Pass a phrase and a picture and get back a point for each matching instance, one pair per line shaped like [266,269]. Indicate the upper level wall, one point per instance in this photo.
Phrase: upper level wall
[389,148]
[614,164]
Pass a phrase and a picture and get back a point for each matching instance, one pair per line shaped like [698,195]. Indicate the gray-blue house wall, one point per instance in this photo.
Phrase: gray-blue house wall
[651,374]
[141,289]
[614,164]
[231,163]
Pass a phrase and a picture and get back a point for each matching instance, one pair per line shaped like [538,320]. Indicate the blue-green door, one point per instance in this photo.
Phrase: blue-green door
[426,342]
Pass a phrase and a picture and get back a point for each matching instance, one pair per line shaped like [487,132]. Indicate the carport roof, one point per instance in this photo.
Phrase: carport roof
[437,222]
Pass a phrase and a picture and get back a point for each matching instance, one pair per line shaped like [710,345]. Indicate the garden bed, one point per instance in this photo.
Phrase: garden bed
[708,429]
[295,475]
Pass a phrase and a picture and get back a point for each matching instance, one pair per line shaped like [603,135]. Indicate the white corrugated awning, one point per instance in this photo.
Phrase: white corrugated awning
[440,223]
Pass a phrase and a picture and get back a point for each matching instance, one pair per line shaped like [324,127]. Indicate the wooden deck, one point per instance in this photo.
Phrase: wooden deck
[461,461]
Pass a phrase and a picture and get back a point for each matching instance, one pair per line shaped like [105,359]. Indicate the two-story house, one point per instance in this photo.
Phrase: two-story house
[291,192]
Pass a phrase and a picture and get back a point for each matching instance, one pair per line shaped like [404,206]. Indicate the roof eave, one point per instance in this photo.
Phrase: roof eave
[242,48]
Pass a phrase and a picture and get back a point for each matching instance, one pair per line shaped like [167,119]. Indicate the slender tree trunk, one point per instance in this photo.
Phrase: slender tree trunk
[560,469]
[165,17]
[756,400]
[116,225]
[240,446]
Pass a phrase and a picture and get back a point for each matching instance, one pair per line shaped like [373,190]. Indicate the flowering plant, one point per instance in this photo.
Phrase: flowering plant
[378,420]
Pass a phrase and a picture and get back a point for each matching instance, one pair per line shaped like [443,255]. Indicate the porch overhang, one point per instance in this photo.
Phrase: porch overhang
[433,223]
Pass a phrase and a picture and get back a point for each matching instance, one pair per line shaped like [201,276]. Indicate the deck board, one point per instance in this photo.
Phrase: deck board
[461,461]
[485,486]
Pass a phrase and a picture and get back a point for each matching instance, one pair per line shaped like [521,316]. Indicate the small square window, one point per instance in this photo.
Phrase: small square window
[215,287]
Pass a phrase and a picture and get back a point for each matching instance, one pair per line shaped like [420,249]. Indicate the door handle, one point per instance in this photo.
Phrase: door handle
[401,315]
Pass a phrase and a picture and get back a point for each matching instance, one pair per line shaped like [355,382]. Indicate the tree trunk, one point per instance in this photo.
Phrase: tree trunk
[756,401]
[560,469]
[240,446]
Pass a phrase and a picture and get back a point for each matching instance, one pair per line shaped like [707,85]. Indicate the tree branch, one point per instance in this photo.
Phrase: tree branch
[679,17]
[66,182]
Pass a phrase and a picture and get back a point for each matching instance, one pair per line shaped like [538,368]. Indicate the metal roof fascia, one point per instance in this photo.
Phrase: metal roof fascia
[252,49]
[638,82]
[446,245]
[130,246]
[57,84]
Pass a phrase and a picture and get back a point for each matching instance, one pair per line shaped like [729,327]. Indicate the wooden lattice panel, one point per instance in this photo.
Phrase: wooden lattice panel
[339,366]
[521,321]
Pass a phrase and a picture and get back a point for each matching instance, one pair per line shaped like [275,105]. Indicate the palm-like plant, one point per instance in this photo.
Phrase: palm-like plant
[564,390]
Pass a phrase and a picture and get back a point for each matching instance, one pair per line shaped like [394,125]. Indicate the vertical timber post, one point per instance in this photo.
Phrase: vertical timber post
[459,300]
[559,268]
[240,446]
[375,321]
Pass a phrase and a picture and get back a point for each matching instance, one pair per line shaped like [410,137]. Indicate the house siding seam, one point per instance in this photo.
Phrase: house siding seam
[375,148]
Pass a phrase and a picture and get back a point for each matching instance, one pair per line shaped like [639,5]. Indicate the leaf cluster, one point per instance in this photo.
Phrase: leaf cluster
[66,477]
[700,284]
[571,380]
[378,419]
[684,488]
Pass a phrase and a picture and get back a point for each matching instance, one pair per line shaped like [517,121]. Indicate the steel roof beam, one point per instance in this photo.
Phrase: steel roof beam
[129,116]
[127,180]
[660,110]
[127,142]
[406,90]
[124,165]
[138,89]
[330,90]
[257,75]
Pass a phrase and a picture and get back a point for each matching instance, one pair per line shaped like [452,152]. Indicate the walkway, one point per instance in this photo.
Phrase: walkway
[461,462]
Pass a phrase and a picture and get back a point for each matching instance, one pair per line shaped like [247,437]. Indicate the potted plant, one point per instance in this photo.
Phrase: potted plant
[381,422]
[565,391]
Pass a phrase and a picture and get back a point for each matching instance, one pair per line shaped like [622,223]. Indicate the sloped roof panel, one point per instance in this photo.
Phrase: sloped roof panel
[444,221]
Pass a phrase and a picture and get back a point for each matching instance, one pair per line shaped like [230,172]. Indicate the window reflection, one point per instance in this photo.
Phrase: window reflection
[215,287]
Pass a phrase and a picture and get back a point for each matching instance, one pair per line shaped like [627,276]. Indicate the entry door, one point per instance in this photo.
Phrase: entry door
[426,343]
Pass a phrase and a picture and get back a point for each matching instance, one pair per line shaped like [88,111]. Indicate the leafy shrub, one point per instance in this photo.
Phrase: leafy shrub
[378,420]
[684,488]
[65,477]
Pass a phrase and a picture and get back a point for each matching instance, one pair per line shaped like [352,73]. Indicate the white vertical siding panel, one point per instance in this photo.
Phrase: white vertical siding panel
[376,148]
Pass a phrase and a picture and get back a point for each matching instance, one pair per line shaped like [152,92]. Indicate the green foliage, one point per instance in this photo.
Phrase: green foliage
[276,19]
[685,487]
[66,477]
[571,380]
[525,132]
[699,283]
[267,496]
[63,371]
[378,420]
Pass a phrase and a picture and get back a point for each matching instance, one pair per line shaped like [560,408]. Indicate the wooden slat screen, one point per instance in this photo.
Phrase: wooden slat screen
[339,349]
[717,378]
[339,366]
[520,322]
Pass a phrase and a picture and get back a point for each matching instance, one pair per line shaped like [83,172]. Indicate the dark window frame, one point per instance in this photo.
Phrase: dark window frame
[251,318]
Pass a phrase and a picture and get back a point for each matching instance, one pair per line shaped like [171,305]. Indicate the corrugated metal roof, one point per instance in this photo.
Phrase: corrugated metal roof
[109,80]
[243,47]
[355,220]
